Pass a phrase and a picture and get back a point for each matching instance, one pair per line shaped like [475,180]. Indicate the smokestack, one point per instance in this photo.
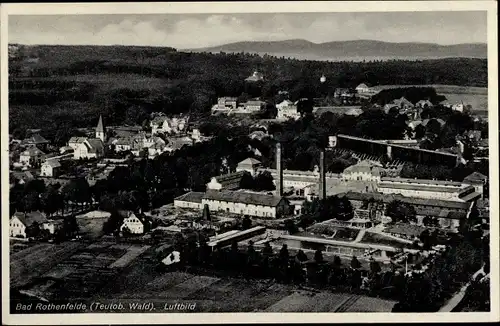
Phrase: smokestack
[279,170]
[322,175]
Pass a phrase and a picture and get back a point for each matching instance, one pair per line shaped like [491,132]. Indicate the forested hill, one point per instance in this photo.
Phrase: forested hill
[360,49]
[72,85]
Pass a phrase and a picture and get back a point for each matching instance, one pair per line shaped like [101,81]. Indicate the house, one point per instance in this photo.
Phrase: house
[255,77]
[191,200]
[446,104]
[166,125]
[22,177]
[253,105]
[363,89]
[31,157]
[74,142]
[459,107]
[20,223]
[354,112]
[250,164]
[258,134]
[50,168]
[287,110]
[363,171]
[229,181]
[247,203]
[403,103]
[478,181]
[424,104]
[226,104]
[90,148]
[135,224]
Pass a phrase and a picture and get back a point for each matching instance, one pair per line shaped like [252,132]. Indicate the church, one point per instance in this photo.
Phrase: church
[88,148]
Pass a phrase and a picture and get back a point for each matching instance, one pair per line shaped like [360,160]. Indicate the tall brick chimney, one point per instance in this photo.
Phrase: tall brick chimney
[322,175]
[279,170]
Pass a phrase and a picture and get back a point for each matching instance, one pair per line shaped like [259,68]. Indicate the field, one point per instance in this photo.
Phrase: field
[214,294]
[37,259]
[79,274]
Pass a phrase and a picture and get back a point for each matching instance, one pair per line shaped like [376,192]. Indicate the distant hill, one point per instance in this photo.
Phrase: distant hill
[352,50]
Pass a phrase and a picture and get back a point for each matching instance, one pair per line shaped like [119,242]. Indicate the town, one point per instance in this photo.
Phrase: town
[368,198]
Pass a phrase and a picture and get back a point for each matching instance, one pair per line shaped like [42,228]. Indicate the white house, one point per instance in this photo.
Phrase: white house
[90,148]
[74,142]
[50,168]
[459,107]
[31,156]
[20,222]
[287,110]
[135,224]
[166,125]
[190,200]
[363,171]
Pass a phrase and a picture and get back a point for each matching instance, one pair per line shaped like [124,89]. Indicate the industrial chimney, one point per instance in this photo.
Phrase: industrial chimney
[279,170]
[322,176]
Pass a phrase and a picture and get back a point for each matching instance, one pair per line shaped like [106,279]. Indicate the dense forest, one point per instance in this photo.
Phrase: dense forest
[69,86]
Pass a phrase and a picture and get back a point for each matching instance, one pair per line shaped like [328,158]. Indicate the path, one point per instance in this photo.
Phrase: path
[457,298]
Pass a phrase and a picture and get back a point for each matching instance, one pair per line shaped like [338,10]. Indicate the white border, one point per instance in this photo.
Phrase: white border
[255,7]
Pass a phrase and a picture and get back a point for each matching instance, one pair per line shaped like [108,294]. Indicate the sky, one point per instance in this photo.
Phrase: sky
[186,31]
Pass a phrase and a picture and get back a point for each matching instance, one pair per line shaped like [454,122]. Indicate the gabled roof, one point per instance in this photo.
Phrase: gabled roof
[77,140]
[244,197]
[192,197]
[94,145]
[476,177]
[52,163]
[36,139]
[362,85]
[32,151]
[426,121]
[249,162]
[362,167]
[29,218]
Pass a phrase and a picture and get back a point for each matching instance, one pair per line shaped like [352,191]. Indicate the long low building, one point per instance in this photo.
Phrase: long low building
[236,202]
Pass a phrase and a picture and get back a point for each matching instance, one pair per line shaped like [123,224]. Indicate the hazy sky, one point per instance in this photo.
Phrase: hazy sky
[198,30]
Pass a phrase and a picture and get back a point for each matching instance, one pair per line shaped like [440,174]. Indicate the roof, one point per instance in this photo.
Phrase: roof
[402,100]
[95,145]
[351,195]
[362,85]
[244,197]
[426,121]
[230,180]
[77,139]
[100,126]
[192,197]
[424,102]
[354,112]
[29,218]
[417,187]
[423,181]
[249,162]
[36,139]
[22,175]
[52,163]
[476,177]
[32,151]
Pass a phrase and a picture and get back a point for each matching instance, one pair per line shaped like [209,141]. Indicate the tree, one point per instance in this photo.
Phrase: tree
[206,213]
[70,225]
[290,226]
[318,256]
[355,264]
[247,181]
[33,230]
[375,267]
[52,201]
[401,212]
[264,182]
[301,256]
[247,223]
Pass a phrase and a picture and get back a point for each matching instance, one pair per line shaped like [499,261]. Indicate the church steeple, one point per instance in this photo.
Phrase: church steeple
[100,132]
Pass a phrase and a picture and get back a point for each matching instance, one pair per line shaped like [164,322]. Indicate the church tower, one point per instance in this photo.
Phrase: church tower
[100,132]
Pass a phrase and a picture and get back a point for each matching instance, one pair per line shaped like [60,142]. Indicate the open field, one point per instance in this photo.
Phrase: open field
[35,260]
[215,294]
[79,273]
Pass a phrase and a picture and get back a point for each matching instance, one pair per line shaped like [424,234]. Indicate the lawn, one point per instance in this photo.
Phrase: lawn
[375,238]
